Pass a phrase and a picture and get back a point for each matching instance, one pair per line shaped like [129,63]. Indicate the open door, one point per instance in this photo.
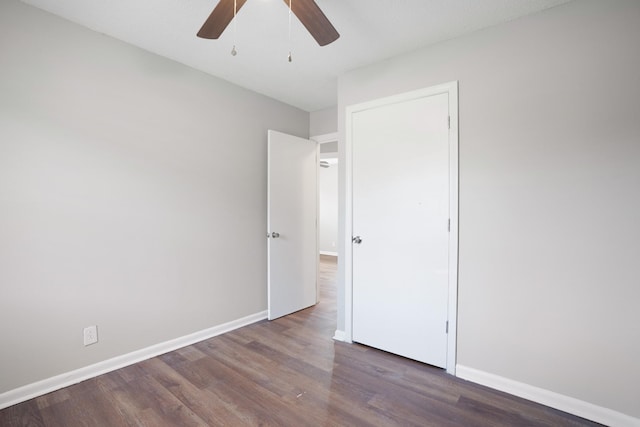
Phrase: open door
[292,208]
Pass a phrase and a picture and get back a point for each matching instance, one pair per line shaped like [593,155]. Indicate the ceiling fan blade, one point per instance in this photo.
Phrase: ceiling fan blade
[318,25]
[219,19]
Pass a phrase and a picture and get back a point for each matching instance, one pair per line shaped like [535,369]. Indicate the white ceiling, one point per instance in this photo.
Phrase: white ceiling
[370,30]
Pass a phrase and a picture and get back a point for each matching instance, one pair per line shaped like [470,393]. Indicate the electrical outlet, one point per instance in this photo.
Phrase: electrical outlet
[90,335]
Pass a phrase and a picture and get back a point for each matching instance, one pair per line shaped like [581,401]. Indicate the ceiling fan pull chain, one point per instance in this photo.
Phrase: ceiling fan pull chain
[290,59]
[234,52]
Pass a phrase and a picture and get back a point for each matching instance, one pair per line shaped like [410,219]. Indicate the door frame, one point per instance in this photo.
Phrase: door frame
[450,88]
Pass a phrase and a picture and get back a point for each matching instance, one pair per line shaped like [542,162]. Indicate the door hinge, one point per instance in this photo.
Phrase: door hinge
[446,329]
[449,224]
[448,122]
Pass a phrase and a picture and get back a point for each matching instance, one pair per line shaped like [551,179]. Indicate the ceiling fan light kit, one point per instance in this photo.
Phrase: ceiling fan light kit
[307,12]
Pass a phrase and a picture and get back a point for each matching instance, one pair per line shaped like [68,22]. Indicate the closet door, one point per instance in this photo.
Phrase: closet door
[401,226]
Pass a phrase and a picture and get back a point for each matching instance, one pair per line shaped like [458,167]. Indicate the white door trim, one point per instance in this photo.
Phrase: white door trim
[451,89]
[324,138]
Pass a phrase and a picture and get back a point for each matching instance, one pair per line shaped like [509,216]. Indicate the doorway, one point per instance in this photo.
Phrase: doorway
[328,216]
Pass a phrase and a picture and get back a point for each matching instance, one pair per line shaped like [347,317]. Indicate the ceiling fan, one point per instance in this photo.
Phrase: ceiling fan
[307,11]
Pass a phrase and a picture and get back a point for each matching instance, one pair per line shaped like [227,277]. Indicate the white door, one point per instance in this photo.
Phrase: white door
[400,215]
[292,208]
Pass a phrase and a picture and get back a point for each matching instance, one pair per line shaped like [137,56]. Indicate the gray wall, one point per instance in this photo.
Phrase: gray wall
[132,196]
[329,148]
[328,207]
[322,122]
[549,194]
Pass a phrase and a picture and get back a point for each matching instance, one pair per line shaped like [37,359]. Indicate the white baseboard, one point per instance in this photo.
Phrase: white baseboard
[339,335]
[48,385]
[329,253]
[564,403]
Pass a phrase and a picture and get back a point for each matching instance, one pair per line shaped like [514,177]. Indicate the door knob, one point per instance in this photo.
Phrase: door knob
[275,235]
[357,240]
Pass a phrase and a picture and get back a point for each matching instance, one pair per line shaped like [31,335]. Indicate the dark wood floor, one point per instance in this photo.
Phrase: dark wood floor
[288,372]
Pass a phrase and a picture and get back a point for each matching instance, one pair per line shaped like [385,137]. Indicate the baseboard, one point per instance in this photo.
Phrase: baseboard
[339,335]
[329,253]
[48,385]
[564,403]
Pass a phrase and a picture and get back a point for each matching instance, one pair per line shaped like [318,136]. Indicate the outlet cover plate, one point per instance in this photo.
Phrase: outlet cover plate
[90,335]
